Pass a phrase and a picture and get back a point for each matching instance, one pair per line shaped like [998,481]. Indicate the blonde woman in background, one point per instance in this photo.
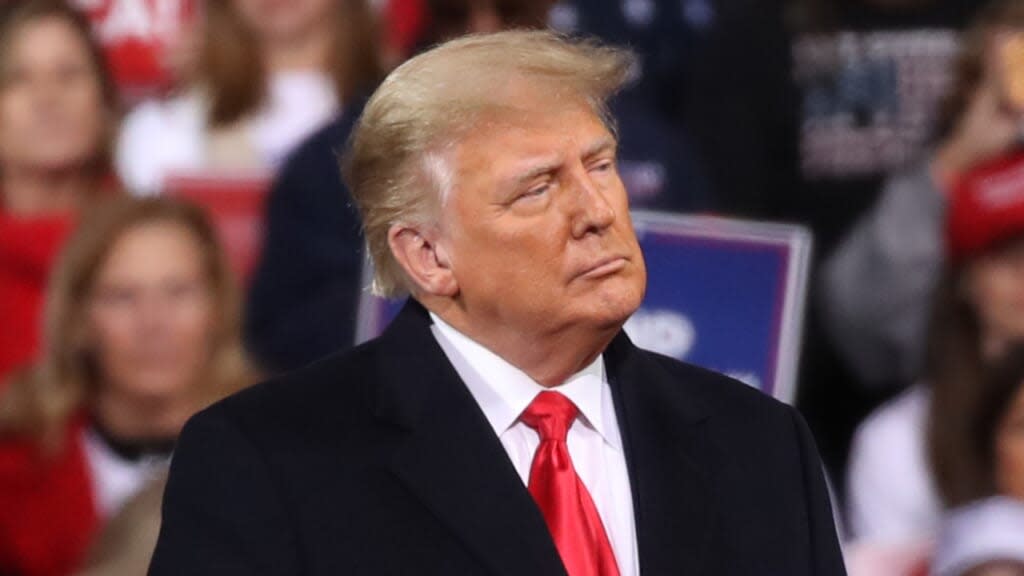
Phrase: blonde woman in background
[142,332]
[266,75]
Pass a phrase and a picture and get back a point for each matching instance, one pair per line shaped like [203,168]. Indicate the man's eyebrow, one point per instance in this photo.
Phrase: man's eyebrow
[546,166]
[549,165]
[598,146]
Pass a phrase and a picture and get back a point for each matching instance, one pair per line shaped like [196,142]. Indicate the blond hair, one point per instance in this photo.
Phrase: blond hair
[396,167]
[40,402]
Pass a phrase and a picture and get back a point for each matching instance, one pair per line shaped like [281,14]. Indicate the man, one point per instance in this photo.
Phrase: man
[503,424]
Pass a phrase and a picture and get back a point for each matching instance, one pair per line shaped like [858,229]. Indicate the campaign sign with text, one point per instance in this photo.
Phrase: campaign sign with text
[724,294]
[142,39]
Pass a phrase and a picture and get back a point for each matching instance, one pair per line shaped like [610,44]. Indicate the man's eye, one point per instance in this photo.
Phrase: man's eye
[535,191]
[603,166]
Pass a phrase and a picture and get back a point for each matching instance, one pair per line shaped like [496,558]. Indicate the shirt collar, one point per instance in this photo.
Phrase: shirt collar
[504,391]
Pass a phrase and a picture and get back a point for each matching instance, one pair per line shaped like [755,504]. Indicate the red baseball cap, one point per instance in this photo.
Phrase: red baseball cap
[986,207]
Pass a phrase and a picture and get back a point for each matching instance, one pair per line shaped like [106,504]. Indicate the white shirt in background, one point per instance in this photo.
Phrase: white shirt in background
[595,445]
[169,137]
[114,479]
[892,497]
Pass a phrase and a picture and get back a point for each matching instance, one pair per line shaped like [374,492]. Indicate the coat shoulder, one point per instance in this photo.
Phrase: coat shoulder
[335,391]
[719,395]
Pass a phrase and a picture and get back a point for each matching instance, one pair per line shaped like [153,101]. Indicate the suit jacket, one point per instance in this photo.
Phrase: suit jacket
[379,461]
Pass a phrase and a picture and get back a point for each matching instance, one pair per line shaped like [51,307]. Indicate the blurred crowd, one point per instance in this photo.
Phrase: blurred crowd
[892,129]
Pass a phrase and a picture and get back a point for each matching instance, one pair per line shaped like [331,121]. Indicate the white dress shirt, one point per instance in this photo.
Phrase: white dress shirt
[595,445]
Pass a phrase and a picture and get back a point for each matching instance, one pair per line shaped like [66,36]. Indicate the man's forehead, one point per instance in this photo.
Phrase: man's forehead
[509,149]
[537,127]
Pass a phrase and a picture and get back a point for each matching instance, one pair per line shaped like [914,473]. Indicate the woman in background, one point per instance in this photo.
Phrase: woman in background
[901,474]
[267,74]
[58,115]
[877,285]
[142,331]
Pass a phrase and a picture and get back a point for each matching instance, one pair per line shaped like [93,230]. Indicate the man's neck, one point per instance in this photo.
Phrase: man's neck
[34,193]
[549,358]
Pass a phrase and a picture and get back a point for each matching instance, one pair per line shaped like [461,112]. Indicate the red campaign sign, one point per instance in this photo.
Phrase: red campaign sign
[139,37]
[236,206]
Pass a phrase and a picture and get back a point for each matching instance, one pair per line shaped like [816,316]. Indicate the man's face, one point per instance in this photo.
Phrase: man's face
[537,224]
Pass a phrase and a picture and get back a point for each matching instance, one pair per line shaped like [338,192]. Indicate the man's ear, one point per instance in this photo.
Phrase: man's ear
[425,262]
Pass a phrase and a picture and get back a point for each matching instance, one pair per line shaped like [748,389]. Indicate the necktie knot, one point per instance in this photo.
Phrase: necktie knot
[550,414]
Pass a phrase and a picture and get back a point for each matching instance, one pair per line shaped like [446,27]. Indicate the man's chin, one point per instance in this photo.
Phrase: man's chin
[610,313]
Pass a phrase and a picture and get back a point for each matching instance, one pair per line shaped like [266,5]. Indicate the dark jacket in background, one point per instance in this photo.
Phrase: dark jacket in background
[303,301]
[716,73]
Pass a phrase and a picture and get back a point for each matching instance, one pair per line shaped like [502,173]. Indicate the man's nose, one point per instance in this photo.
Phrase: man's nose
[592,212]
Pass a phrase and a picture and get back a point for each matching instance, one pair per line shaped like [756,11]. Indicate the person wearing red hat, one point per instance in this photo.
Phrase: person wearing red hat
[877,285]
[900,470]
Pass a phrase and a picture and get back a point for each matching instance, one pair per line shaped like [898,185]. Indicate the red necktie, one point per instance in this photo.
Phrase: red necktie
[563,499]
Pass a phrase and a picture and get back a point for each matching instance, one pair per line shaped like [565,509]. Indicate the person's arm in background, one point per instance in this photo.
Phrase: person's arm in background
[877,285]
[304,296]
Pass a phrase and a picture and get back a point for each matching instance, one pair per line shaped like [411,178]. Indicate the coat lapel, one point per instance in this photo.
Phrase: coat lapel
[669,462]
[451,459]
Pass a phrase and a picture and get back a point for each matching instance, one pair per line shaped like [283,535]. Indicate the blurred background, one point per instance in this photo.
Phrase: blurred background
[173,227]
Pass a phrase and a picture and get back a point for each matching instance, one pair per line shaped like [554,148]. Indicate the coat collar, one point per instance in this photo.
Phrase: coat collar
[664,426]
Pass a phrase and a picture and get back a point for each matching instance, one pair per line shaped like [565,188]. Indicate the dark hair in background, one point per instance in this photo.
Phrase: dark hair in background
[954,370]
[230,65]
[17,14]
[969,392]
[1002,383]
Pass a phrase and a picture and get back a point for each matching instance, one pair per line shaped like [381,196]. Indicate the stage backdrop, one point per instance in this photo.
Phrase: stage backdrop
[724,294]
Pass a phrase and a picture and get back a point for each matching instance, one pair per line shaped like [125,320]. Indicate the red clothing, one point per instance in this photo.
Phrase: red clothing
[28,248]
[139,38]
[405,22]
[48,513]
